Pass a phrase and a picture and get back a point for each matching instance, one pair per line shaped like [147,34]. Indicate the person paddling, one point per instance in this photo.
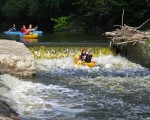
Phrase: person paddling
[30,29]
[88,57]
[84,59]
[83,55]
[13,28]
[24,30]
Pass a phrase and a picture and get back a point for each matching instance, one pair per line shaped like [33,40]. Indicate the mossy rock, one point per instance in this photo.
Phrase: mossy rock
[148,42]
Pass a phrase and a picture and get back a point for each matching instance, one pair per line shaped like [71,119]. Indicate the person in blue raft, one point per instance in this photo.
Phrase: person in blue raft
[24,30]
[13,28]
[30,29]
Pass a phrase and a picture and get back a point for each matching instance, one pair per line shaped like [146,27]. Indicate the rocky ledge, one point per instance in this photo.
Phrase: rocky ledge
[138,52]
[16,59]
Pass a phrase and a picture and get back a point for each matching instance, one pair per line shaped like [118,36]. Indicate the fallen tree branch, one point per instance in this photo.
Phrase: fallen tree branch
[126,34]
[127,42]
[122,18]
[143,24]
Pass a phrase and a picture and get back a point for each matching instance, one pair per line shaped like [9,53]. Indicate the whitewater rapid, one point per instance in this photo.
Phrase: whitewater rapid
[114,89]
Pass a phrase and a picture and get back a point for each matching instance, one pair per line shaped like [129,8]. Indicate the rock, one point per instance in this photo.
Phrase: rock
[138,53]
[5,118]
[6,110]
[16,59]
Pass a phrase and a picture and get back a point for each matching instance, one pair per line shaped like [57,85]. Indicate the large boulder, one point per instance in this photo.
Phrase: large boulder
[16,59]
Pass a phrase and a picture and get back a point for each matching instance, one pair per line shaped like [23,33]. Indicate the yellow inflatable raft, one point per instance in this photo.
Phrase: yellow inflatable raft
[79,62]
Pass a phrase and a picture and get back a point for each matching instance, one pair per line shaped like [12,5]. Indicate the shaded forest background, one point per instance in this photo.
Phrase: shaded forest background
[73,15]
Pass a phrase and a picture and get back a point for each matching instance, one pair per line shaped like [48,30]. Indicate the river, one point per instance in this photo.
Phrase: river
[115,89]
[61,38]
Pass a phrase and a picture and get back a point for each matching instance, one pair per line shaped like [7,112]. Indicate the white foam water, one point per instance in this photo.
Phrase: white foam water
[114,89]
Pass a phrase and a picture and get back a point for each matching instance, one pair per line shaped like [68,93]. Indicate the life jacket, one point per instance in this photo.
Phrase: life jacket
[24,30]
[82,56]
[88,58]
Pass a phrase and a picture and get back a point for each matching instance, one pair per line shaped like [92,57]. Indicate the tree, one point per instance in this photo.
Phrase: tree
[83,14]
[35,11]
[14,9]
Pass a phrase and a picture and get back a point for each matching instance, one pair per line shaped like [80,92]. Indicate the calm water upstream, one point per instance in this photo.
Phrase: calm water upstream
[115,89]
[61,37]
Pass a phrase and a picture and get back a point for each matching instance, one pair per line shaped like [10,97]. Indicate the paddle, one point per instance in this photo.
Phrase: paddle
[88,51]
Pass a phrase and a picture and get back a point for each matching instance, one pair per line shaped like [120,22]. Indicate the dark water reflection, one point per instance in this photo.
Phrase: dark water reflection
[63,38]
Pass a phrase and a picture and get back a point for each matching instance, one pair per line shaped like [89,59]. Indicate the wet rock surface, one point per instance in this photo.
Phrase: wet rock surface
[16,59]
[138,53]
[6,110]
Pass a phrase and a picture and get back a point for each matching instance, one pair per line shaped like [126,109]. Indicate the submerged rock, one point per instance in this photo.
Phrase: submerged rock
[16,59]
[6,110]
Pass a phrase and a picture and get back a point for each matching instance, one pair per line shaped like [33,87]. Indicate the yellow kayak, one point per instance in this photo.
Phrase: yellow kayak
[79,62]
[31,36]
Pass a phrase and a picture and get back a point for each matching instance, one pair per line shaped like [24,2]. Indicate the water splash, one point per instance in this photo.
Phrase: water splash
[37,100]
[108,65]
[115,89]
[43,52]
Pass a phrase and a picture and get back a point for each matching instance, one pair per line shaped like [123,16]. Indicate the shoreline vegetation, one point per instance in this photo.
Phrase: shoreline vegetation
[74,16]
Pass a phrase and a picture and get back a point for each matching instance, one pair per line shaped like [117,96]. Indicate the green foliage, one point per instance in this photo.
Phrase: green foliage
[106,13]
[82,14]
[91,13]
[42,9]
[30,8]
[64,24]
[14,8]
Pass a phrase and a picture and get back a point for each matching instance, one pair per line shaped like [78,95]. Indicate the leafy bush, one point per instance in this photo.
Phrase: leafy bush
[65,24]
[62,24]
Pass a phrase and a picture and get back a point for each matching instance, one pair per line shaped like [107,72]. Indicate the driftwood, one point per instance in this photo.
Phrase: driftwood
[125,34]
